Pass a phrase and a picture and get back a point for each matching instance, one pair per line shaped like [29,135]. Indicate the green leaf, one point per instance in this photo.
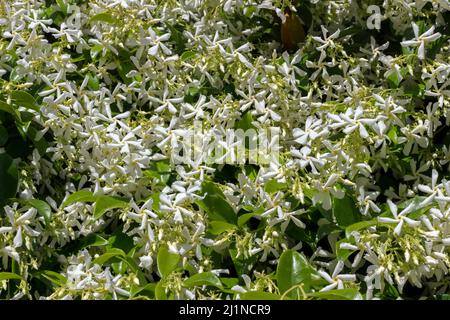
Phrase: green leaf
[106,203]
[215,204]
[147,290]
[194,91]
[359,225]
[411,87]
[167,261]
[9,178]
[26,116]
[53,277]
[416,214]
[93,240]
[108,255]
[120,240]
[392,134]
[42,208]
[160,292]
[14,76]
[393,80]
[339,294]
[229,282]
[124,260]
[8,108]
[289,270]
[273,186]
[103,17]
[93,82]
[18,147]
[9,275]
[3,136]
[188,55]
[345,211]
[23,127]
[102,203]
[62,5]
[203,279]
[24,99]
[218,227]
[177,37]
[219,209]
[306,235]
[259,295]
[251,172]
[79,196]
[160,170]
[326,229]
[242,265]
[293,269]
[125,66]
[41,144]
[245,122]
[163,167]
[134,267]
[243,219]
[390,292]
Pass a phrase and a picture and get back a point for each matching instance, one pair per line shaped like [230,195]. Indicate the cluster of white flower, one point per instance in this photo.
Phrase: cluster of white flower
[102,213]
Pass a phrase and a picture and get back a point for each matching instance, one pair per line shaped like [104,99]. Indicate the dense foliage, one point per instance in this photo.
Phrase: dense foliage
[92,94]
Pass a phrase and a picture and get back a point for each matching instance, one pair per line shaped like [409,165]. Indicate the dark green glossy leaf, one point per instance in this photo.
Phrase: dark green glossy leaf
[294,269]
[229,282]
[9,178]
[148,290]
[9,275]
[108,255]
[243,219]
[106,203]
[79,196]
[242,265]
[93,240]
[273,186]
[121,241]
[245,122]
[24,99]
[340,294]
[177,37]
[215,204]
[218,227]
[62,5]
[325,230]
[289,270]
[8,108]
[345,211]
[203,279]
[167,261]
[53,277]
